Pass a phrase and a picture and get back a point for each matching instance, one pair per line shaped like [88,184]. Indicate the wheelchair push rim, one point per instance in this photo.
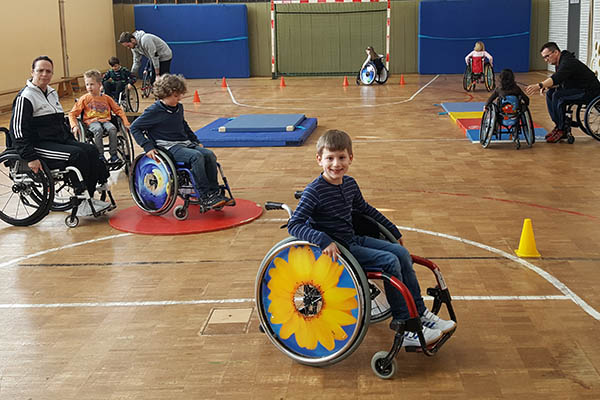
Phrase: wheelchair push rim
[468,83]
[312,309]
[153,185]
[25,197]
[133,99]
[490,82]
[592,118]
[488,123]
[382,76]
[368,73]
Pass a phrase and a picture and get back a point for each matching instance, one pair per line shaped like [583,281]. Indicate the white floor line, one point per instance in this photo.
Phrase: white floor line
[568,293]
[234,101]
[163,303]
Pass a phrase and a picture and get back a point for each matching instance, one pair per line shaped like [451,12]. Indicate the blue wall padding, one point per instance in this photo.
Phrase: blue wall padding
[208,40]
[448,30]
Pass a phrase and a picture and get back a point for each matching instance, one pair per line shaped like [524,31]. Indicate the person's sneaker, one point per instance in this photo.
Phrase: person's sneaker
[552,132]
[84,209]
[556,136]
[214,201]
[100,205]
[430,320]
[430,335]
[114,159]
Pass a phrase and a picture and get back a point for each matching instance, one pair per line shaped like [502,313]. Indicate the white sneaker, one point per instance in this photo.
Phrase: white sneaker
[412,338]
[430,320]
[84,209]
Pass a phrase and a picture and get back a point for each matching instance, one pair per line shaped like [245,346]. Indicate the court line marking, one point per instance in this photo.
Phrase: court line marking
[568,293]
[234,101]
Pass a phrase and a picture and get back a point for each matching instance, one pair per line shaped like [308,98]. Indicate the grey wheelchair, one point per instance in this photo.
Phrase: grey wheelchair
[317,312]
[27,197]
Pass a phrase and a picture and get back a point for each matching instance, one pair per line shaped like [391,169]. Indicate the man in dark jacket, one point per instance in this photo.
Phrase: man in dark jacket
[572,82]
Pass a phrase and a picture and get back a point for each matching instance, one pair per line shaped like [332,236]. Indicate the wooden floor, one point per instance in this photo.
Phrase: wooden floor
[92,313]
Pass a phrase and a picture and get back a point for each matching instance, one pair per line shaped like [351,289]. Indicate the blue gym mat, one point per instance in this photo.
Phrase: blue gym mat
[463,106]
[473,135]
[263,123]
[210,136]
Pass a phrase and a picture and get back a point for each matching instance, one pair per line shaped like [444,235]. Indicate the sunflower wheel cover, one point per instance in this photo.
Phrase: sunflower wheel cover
[312,309]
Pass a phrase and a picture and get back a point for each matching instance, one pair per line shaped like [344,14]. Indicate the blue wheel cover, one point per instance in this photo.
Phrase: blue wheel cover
[152,183]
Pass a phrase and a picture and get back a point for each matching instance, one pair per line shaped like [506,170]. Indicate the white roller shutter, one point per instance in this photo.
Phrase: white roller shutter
[559,18]
[583,30]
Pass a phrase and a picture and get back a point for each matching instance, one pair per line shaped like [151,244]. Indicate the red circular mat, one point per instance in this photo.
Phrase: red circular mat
[134,220]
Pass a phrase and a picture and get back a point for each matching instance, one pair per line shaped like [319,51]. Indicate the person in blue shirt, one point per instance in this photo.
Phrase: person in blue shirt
[324,214]
[163,124]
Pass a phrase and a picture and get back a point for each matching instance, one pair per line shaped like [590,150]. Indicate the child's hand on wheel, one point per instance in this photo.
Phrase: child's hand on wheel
[332,251]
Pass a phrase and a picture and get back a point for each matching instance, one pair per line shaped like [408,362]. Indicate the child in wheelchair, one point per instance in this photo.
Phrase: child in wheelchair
[163,124]
[96,108]
[508,87]
[372,69]
[116,78]
[479,52]
[324,214]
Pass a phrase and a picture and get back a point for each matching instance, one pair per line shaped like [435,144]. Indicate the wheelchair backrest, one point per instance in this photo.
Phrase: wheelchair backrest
[509,107]
[477,65]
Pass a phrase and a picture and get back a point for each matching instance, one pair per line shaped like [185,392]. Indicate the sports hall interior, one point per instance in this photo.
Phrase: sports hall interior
[93,312]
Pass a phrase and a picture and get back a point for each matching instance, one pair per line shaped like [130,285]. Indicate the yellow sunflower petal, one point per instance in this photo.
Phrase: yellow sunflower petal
[321,269]
[283,275]
[323,333]
[340,298]
[290,327]
[305,337]
[333,277]
[336,317]
[301,260]
[281,311]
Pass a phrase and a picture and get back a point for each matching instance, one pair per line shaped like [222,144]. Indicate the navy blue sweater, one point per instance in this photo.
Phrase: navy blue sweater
[161,122]
[325,212]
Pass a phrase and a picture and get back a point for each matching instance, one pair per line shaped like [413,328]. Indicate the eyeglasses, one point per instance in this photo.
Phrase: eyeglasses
[545,57]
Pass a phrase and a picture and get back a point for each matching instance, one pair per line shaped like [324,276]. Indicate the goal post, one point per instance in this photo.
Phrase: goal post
[327,37]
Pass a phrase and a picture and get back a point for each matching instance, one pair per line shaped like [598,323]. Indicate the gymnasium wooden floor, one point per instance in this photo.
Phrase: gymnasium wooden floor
[92,313]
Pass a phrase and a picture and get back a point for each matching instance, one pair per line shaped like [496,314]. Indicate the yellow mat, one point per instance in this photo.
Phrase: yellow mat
[465,114]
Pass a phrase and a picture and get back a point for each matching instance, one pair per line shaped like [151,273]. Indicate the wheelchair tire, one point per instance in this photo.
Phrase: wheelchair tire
[592,118]
[383,76]
[580,116]
[468,79]
[146,83]
[488,125]
[489,80]
[125,147]
[324,318]
[26,197]
[132,99]
[378,368]
[368,73]
[527,128]
[153,185]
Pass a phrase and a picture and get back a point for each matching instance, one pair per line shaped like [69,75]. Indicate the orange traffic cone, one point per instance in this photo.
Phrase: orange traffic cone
[224,83]
[527,246]
[282,83]
[345,81]
[196,97]
[402,79]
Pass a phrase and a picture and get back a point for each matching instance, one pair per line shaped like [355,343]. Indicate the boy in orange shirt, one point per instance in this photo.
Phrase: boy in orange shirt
[96,108]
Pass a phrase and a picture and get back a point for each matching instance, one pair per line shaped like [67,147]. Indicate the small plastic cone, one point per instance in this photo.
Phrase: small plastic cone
[196,97]
[282,83]
[345,81]
[402,79]
[527,243]
[224,83]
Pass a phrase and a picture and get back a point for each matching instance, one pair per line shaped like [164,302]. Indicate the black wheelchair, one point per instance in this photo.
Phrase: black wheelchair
[317,311]
[372,71]
[510,116]
[27,197]
[478,71]
[125,150]
[155,186]
[147,79]
[587,118]
[129,99]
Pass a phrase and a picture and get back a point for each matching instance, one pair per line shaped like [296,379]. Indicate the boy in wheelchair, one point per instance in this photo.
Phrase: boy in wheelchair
[163,124]
[95,109]
[324,213]
[116,78]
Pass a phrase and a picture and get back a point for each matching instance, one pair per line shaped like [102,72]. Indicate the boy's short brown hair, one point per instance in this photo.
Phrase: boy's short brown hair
[113,61]
[334,140]
[94,74]
[168,84]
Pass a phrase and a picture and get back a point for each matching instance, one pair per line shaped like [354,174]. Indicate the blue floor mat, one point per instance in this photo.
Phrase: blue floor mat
[263,123]
[473,135]
[463,107]
[210,136]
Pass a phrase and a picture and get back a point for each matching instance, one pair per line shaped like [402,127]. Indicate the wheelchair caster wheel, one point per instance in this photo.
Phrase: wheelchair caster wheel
[72,222]
[571,139]
[377,365]
[180,213]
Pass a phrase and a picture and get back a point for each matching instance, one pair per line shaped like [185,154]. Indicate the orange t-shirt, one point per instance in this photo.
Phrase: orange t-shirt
[96,109]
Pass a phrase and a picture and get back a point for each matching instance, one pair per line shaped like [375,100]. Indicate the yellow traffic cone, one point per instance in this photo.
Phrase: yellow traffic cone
[527,243]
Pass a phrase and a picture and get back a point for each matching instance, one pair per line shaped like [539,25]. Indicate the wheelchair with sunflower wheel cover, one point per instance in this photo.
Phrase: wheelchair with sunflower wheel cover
[510,116]
[26,197]
[372,71]
[155,186]
[478,70]
[317,311]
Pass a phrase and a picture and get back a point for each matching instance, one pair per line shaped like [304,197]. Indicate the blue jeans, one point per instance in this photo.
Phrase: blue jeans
[393,259]
[557,100]
[202,163]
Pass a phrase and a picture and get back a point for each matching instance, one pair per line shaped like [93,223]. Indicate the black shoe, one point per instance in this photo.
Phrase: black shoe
[214,201]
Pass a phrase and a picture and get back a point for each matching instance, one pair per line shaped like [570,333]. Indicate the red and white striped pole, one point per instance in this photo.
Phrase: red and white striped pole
[387,35]
[272,39]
